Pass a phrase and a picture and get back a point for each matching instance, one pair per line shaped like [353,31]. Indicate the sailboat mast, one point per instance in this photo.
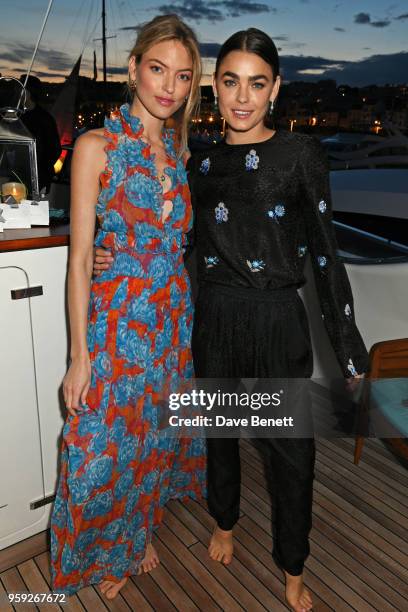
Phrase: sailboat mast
[104,40]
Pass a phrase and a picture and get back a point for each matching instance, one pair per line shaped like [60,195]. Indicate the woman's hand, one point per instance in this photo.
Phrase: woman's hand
[76,383]
[102,260]
[353,382]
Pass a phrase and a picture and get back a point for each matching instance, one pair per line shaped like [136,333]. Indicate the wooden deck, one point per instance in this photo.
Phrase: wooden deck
[358,559]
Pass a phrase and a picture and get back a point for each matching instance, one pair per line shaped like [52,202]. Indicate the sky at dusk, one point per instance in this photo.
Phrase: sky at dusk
[355,43]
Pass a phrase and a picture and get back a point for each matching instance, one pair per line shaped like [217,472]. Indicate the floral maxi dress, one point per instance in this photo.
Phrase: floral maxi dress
[117,469]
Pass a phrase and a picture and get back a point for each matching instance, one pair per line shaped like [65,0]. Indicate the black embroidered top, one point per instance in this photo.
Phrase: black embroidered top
[259,208]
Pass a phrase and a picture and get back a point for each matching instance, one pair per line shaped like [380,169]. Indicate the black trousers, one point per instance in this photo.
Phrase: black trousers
[249,333]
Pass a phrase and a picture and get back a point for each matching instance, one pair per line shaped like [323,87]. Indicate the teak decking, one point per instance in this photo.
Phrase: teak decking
[358,555]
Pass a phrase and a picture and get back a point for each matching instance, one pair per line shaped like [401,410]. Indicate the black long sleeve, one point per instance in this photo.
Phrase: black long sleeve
[332,283]
[258,210]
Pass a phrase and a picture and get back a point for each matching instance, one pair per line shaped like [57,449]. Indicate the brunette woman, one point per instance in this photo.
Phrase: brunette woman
[262,201]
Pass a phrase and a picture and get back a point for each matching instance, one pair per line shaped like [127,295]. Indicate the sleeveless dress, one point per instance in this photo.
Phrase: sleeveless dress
[118,470]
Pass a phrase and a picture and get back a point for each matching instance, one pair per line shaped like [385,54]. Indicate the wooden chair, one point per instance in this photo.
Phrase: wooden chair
[388,359]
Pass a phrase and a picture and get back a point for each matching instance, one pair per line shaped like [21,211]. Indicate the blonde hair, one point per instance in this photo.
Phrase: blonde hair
[170,27]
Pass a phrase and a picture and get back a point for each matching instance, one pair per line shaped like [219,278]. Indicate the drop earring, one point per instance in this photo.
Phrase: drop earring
[270,109]
[215,104]
[132,84]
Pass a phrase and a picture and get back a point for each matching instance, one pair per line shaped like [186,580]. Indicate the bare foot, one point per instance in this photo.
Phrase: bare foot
[150,560]
[111,588]
[297,595]
[221,546]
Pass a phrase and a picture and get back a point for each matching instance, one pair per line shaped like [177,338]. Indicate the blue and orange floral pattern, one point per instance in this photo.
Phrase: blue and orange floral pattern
[118,469]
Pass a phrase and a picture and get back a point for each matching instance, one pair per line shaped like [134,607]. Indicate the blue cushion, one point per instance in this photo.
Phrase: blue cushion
[389,399]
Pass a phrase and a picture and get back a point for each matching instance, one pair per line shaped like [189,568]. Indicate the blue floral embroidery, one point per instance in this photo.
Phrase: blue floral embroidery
[277,212]
[351,368]
[347,311]
[205,165]
[251,160]
[302,250]
[322,261]
[221,213]
[322,206]
[257,265]
[211,261]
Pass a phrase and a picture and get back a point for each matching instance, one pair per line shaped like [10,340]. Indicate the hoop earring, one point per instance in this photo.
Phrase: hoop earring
[215,104]
[270,109]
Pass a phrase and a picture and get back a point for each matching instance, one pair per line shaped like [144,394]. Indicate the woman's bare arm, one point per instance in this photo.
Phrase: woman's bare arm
[87,164]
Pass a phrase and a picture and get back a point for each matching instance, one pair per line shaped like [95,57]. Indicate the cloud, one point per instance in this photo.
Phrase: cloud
[365,19]
[376,69]
[134,28]
[400,17]
[51,59]
[295,45]
[46,75]
[381,23]
[120,70]
[362,18]
[214,10]
[209,49]
[339,29]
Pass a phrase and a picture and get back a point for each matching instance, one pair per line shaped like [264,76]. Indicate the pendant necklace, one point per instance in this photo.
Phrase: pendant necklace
[162,176]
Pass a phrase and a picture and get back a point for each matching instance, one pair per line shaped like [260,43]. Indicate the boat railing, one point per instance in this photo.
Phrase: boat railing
[389,251]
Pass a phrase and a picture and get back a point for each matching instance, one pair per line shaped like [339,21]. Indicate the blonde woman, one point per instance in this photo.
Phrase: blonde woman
[130,326]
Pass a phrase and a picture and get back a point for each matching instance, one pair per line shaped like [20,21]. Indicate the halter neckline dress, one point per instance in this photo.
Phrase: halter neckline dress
[117,469]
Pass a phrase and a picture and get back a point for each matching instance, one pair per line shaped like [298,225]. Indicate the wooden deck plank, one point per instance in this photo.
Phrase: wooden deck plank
[184,578]
[339,543]
[196,529]
[374,574]
[361,507]
[173,521]
[13,583]
[358,557]
[173,590]
[43,563]
[324,573]
[336,555]
[374,486]
[220,595]
[226,577]
[382,458]
[349,528]
[250,564]
[22,551]
[153,593]
[372,500]
[36,583]
[5,605]
[91,600]
[330,491]
[134,598]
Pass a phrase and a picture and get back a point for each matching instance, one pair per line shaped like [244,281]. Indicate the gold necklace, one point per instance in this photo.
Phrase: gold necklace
[162,177]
